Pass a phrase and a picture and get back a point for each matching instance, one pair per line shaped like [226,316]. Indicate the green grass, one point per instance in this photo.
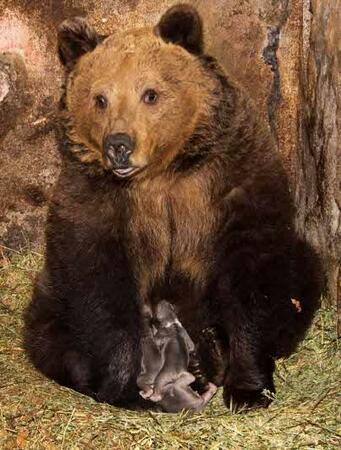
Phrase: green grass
[36,413]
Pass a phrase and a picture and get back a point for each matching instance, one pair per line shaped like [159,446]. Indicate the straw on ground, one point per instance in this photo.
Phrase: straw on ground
[36,413]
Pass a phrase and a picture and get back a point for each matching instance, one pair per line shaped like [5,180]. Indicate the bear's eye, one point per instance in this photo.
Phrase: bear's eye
[101,101]
[150,97]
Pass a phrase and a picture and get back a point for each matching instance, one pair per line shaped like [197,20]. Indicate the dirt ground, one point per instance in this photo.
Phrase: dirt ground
[36,413]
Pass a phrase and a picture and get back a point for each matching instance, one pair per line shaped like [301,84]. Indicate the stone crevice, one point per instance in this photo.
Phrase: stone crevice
[270,58]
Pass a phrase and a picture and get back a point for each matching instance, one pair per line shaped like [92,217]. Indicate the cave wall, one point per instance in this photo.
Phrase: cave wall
[318,153]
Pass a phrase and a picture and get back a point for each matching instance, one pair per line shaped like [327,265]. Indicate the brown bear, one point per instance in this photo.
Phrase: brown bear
[170,189]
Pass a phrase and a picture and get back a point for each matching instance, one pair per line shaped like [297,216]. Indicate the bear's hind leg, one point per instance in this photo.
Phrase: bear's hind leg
[118,369]
[249,364]
[249,379]
[250,368]
[48,343]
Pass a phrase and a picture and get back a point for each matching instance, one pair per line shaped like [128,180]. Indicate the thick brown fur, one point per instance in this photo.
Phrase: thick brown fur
[206,222]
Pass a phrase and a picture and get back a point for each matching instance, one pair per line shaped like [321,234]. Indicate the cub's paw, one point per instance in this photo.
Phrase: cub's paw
[239,399]
[155,397]
[147,394]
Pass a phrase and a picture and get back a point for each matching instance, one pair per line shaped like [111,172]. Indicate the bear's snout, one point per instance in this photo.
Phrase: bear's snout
[117,149]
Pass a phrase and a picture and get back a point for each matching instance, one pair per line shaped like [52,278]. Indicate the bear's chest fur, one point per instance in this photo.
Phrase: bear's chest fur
[166,232]
[170,238]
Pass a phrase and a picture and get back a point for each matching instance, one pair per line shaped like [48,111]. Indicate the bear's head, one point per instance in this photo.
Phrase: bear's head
[134,98]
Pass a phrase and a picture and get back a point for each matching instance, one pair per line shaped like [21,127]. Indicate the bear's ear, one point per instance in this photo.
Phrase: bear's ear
[75,38]
[182,25]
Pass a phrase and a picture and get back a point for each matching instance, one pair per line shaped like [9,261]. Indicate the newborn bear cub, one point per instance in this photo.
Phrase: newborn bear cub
[166,352]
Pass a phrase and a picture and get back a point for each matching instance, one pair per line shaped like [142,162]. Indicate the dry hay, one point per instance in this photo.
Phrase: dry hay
[38,414]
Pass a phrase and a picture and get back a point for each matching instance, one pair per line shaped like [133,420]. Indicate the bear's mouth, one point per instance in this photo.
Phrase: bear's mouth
[125,172]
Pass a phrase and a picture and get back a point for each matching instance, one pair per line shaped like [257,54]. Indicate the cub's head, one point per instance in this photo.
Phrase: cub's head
[134,98]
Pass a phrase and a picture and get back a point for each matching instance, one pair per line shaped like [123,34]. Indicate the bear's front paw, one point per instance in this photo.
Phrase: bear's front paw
[239,399]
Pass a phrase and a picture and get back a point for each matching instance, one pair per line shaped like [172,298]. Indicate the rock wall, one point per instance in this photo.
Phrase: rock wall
[318,166]
[281,51]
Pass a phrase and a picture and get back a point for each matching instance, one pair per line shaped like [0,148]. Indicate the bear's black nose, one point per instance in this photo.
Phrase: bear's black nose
[117,148]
